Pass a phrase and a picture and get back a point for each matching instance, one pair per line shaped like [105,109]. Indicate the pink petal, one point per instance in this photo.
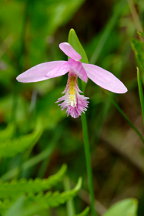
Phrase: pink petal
[77,68]
[44,71]
[104,78]
[69,51]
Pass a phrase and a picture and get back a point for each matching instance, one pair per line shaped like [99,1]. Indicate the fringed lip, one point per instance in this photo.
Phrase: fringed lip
[74,103]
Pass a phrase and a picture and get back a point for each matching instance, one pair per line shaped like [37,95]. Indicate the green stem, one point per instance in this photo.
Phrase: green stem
[70,204]
[74,41]
[88,163]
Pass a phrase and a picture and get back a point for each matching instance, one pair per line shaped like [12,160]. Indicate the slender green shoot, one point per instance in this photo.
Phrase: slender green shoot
[70,203]
[128,120]
[141,94]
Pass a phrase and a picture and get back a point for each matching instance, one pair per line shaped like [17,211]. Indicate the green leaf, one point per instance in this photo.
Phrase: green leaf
[141,95]
[74,41]
[84,213]
[23,186]
[138,47]
[126,207]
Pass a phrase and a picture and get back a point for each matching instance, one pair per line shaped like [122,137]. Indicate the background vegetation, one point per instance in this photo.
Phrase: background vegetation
[37,138]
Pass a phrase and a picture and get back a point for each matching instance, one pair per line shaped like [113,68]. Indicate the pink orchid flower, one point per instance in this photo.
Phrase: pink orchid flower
[74,102]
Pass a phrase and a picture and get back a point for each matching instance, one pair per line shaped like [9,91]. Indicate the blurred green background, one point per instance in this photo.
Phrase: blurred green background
[36,137]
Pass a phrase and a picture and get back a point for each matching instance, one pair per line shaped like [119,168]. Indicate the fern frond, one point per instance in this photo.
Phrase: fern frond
[16,188]
[32,203]
[11,147]
[4,205]
[16,208]
[55,199]
[41,202]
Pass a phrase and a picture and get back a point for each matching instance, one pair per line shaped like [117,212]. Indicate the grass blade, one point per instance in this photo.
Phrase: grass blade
[141,95]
